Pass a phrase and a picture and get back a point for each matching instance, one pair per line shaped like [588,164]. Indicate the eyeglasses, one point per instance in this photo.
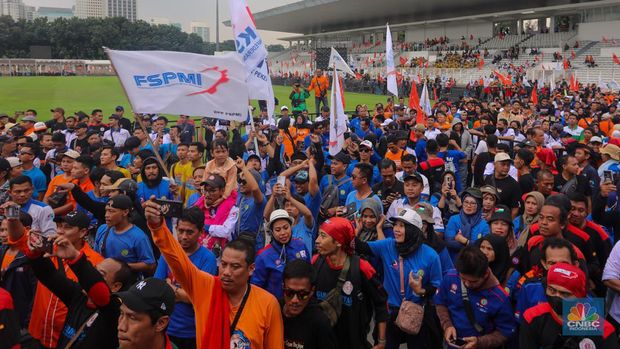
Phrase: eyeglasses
[302,295]
[364,150]
[25,153]
[470,203]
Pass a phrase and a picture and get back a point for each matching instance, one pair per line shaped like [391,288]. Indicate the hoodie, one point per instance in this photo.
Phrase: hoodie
[270,263]
[158,187]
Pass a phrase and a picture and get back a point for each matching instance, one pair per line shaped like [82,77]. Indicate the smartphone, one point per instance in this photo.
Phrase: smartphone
[170,208]
[459,342]
[608,177]
[281,180]
[350,210]
[41,243]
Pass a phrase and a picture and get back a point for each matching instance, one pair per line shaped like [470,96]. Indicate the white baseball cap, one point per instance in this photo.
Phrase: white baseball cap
[14,161]
[279,214]
[408,216]
[283,108]
[367,144]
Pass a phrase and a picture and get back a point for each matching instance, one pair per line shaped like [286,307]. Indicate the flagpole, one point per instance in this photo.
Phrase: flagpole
[139,121]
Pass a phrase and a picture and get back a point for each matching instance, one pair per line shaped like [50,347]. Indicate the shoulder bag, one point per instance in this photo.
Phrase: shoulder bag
[410,314]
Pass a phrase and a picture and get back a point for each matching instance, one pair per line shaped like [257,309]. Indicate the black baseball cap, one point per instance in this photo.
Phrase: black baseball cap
[120,108]
[4,165]
[215,181]
[121,202]
[77,219]
[501,213]
[148,295]
[342,157]
[414,176]
[81,125]
[114,116]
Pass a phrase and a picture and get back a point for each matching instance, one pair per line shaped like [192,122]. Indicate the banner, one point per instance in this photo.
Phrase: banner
[392,87]
[425,101]
[183,83]
[335,60]
[253,52]
[337,118]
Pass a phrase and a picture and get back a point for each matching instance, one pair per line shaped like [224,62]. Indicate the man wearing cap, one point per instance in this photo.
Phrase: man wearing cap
[80,140]
[541,326]
[298,98]
[366,152]
[119,238]
[145,315]
[57,123]
[339,178]
[413,186]
[124,122]
[182,330]
[229,311]
[116,134]
[220,216]
[507,187]
[492,319]
[271,260]
[610,154]
[337,267]
[28,124]
[62,204]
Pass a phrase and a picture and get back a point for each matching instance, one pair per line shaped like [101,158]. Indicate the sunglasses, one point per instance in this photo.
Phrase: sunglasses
[364,150]
[301,294]
[25,153]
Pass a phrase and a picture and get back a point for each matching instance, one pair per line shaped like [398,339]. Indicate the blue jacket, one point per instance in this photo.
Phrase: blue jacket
[454,225]
[270,263]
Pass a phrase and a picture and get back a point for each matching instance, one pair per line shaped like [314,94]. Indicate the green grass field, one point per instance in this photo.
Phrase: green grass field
[88,93]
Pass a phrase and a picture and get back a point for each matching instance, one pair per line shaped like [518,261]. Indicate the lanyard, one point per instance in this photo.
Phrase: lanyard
[233,326]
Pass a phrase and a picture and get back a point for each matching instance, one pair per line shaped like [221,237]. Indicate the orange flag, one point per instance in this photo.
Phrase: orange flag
[480,63]
[616,59]
[403,60]
[504,80]
[534,97]
[566,65]
[574,84]
[414,103]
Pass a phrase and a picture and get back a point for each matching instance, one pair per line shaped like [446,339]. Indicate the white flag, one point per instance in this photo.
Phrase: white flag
[253,52]
[337,118]
[335,60]
[552,81]
[526,83]
[392,87]
[425,101]
[183,83]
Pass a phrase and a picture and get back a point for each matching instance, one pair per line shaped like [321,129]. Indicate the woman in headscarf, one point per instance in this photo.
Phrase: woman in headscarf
[496,250]
[369,227]
[406,254]
[467,226]
[533,204]
[425,211]
[500,224]
[489,200]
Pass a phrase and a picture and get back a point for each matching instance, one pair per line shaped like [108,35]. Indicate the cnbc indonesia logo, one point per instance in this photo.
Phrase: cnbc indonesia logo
[583,317]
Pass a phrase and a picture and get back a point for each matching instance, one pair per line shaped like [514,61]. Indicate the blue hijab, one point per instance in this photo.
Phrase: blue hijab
[468,222]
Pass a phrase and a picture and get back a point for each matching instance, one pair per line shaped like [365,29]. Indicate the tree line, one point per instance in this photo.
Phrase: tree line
[77,38]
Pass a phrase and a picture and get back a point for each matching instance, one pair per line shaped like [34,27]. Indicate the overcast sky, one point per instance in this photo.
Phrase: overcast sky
[185,11]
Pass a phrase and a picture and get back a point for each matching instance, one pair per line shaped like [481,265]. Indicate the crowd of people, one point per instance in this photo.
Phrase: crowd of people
[468,227]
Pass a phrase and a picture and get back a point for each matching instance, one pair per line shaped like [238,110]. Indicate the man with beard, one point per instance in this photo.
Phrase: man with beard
[153,182]
[306,325]
[389,189]
[541,326]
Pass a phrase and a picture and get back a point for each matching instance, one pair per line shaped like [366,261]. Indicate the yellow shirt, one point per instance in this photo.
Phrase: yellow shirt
[182,174]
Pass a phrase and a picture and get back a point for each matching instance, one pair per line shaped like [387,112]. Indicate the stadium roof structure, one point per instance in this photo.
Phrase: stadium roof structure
[312,17]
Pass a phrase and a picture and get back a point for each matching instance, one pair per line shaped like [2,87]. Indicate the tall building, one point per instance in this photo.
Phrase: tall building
[89,8]
[201,29]
[53,12]
[29,12]
[122,8]
[13,8]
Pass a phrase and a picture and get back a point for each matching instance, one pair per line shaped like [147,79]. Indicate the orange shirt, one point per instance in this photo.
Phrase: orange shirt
[48,312]
[395,157]
[261,320]
[60,179]
[607,126]
[319,84]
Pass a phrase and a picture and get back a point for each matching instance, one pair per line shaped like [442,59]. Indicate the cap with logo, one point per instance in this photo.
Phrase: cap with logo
[408,216]
[119,108]
[301,176]
[214,181]
[77,219]
[121,202]
[367,144]
[148,295]
[425,211]
[568,276]
[279,214]
[501,213]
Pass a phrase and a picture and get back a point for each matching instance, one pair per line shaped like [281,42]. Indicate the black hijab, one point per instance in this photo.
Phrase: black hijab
[413,239]
[502,262]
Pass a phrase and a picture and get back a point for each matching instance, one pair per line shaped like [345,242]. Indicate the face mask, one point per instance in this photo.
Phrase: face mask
[556,304]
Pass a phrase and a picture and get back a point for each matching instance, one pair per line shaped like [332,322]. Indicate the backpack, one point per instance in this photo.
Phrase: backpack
[433,169]
[332,304]
[330,197]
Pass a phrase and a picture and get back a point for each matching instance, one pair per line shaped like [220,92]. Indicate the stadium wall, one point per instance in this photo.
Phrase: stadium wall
[595,30]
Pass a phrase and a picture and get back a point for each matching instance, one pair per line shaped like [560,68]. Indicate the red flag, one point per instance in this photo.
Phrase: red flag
[403,60]
[616,59]
[573,55]
[574,84]
[426,65]
[435,96]
[566,65]
[358,76]
[504,80]
[420,62]
[375,56]
[414,103]
[341,92]
[480,63]
[534,97]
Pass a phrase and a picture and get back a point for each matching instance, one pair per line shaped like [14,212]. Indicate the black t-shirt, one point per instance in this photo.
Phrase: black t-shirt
[125,123]
[55,125]
[508,190]
[481,162]
[582,185]
[383,190]
[526,182]
[81,143]
[308,330]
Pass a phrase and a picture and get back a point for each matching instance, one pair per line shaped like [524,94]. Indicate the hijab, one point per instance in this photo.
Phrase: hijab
[468,222]
[502,262]
[370,234]
[528,220]
[413,239]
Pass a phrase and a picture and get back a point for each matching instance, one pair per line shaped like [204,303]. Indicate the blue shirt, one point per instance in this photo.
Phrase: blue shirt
[454,226]
[352,197]
[304,233]
[182,323]
[270,263]
[162,190]
[491,307]
[314,204]
[131,246]
[250,213]
[376,174]
[91,195]
[424,262]
[38,181]
[344,186]
[452,159]
[420,150]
